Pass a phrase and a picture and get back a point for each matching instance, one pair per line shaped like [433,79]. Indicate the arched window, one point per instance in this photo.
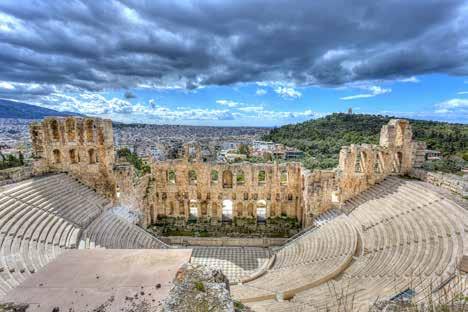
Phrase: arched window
[227,179]
[377,164]
[283,177]
[192,176]
[214,176]
[261,177]
[227,210]
[70,128]
[171,177]
[57,156]
[261,211]
[358,163]
[89,130]
[400,134]
[55,129]
[193,211]
[240,177]
[239,209]
[73,156]
[92,156]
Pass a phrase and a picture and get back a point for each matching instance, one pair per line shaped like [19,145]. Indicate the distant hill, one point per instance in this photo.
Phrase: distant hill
[322,138]
[18,110]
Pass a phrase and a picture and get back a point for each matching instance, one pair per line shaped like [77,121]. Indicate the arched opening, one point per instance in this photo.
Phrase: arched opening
[171,177]
[239,209]
[227,211]
[204,208]
[261,177]
[377,164]
[250,209]
[261,211]
[55,130]
[92,156]
[214,210]
[240,177]
[358,162]
[192,176]
[73,156]
[227,179]
[89,130]
[70,128]
[193,210]
[57,156]
[214,176]
[283,177]
[397,162]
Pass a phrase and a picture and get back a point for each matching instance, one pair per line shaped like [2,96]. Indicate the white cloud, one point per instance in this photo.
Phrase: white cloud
[288,92]
[374,91]
[260,92]
[412,79]
[463,92]
[6,85]
[228,103]
[452,106]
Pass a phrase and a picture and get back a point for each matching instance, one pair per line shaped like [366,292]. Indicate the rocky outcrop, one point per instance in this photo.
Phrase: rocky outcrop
[199,288]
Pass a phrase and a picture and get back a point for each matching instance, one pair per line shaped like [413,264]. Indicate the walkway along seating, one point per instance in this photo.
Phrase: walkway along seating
[410,238]
[41,218]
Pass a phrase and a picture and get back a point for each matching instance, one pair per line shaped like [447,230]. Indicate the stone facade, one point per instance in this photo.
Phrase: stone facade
[220,192]
[190,189]
[82,147]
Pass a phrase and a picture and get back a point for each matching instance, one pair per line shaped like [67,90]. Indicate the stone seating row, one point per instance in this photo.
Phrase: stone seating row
[310,260]
[411,237]
[114,232]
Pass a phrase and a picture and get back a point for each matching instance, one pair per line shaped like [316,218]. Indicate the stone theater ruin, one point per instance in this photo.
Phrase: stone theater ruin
[365,228]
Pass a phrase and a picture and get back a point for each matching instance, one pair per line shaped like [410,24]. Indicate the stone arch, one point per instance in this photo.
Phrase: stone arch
[70,129]
[284,177]
[214,209]
[89,130]
[92,156]
[378,166]
[261,177]
[227,210]
[171,176]
[260,212]
[239,209]
[73,156]
[54,127]
[204,208]
[57,156]
[192,177]
[358,162]
[250,209]
[240,177]
[397,162]
[227,179]
[214,176]
[193,209]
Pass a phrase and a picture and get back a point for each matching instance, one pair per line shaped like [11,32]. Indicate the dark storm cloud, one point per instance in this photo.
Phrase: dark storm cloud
[95,45]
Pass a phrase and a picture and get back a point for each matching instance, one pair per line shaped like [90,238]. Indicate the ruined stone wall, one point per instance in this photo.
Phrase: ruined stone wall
[361,166]
[82,147]
[180,185]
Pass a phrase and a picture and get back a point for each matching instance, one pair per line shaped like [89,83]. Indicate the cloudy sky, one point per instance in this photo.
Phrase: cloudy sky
[257,62]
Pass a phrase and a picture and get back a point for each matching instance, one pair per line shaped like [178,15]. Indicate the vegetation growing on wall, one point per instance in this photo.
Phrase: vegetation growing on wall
[321,139]
[141,167]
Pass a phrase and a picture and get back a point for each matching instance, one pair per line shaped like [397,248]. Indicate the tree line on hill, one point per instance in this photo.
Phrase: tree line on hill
[321,139]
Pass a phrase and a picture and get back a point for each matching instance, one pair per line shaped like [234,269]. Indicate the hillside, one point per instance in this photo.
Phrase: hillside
[18,110]
[322,138]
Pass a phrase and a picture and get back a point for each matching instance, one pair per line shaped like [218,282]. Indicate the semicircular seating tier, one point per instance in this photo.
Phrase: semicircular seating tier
[41,218]
[411,241]
[310,260]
